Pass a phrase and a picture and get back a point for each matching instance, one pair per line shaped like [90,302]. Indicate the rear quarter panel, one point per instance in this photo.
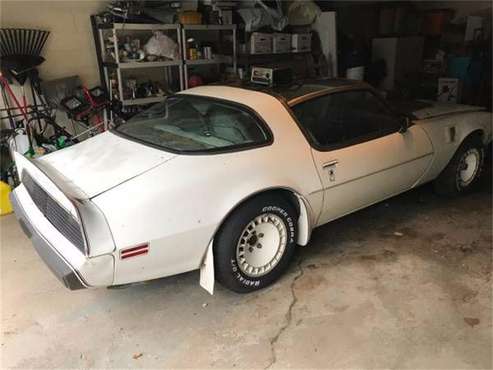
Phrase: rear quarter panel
[178,206]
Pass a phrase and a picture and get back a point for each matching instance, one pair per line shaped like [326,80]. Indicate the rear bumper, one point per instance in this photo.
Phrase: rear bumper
[62,269]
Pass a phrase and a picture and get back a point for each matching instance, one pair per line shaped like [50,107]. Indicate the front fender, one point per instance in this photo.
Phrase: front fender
[448,132]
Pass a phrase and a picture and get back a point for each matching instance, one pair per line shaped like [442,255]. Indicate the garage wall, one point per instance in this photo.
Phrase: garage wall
[70,47]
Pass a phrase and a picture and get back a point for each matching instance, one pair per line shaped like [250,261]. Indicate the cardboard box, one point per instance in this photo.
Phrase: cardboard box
[301,42]
[281,43]
[261,43]
[449,90]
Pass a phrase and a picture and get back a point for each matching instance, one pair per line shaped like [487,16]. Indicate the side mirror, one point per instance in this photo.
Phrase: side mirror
[405,123]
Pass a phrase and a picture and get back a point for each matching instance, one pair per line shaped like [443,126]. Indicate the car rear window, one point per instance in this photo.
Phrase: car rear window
[186,123]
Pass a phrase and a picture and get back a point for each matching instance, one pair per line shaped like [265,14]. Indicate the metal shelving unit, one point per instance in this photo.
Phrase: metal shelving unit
[118,65]
[218,59]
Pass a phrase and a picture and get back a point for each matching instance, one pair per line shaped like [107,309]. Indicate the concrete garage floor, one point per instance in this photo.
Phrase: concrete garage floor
[403,284]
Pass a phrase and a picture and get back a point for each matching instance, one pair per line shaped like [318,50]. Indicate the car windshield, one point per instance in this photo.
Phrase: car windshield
[187,123]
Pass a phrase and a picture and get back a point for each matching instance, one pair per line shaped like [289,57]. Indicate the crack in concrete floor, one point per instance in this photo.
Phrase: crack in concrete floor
[289,315]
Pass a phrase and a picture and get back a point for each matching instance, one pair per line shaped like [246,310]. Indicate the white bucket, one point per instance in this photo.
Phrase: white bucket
[355,73]
[19,143]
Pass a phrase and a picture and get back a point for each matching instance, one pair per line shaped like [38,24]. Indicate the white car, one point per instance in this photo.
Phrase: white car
[229,180]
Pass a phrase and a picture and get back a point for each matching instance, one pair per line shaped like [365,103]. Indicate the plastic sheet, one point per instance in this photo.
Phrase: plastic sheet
[256,18]
[161,45]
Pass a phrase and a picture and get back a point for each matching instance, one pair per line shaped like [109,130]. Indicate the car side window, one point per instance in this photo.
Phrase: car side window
[320,118]
[344,118]
[364,115]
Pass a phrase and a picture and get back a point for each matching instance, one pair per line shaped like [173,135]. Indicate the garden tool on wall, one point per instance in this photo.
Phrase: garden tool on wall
[20,52]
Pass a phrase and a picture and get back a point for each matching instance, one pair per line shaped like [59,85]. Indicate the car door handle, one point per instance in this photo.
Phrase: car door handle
[330,163]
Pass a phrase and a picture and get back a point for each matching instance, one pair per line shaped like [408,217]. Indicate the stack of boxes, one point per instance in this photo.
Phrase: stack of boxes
[279,43]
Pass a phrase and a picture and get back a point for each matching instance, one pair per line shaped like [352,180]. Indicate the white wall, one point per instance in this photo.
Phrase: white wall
[70,47]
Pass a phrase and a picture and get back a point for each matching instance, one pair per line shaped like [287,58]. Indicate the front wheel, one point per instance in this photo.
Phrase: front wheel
[256,243]
[463,171]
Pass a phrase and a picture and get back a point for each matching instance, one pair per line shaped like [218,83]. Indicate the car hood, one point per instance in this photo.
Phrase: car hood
[442,108]
[426,109]
[100,163]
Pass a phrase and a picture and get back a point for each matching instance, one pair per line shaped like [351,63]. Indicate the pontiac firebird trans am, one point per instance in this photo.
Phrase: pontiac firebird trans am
[229,180]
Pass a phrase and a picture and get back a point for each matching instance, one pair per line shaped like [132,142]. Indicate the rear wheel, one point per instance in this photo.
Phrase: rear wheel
[463,171]
[255,244]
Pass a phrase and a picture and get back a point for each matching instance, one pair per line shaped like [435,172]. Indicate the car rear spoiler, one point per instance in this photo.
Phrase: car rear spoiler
[33,166]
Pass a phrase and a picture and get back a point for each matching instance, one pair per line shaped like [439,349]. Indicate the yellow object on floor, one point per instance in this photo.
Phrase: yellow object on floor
[5,205]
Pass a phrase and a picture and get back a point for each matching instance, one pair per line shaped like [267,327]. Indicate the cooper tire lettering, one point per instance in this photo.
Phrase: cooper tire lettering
[237,275]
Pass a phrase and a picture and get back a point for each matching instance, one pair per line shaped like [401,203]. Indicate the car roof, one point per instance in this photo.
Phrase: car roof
[299,91]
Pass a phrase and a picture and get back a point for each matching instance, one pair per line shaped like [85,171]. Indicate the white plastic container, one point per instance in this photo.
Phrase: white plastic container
[355,73]
[19,143]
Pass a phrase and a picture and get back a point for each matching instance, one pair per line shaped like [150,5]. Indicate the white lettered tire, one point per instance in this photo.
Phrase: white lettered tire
[256,243]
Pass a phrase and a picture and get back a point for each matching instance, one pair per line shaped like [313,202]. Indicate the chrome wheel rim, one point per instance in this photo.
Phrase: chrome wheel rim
[262,244]
[468,167]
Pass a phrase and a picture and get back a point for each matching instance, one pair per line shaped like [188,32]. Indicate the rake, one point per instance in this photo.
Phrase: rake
[20,54]
[20,51]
